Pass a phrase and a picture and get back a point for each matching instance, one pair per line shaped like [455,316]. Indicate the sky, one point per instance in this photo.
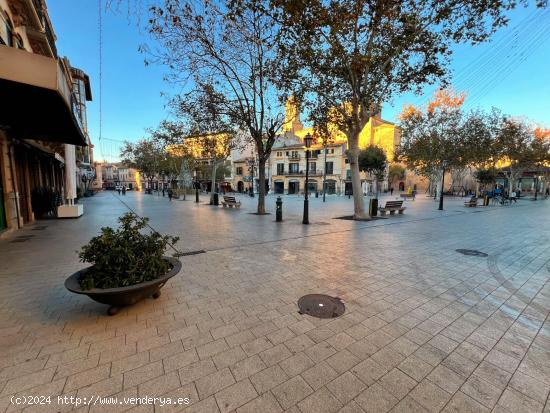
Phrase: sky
[512,72]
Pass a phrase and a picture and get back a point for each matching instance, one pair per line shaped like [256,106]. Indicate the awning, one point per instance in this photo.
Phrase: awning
[36,98]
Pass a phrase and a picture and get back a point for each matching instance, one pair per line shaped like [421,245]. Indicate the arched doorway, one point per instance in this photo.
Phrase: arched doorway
[240,186]
[401,186]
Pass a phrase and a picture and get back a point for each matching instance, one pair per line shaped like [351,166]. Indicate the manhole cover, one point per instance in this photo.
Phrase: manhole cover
[474,253]
[321,306]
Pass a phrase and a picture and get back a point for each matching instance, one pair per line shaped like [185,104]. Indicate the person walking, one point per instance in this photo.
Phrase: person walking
[124,190]
[513,196]
[391,190]
[118,190]
[170,194]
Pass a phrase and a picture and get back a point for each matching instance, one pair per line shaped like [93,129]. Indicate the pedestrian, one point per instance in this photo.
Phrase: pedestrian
[414,194]
[391,190]
[513,196]
[162,191]
[118,190]
[123,190]
[170,194]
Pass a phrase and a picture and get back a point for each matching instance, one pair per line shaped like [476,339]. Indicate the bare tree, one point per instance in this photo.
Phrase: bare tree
[230,47]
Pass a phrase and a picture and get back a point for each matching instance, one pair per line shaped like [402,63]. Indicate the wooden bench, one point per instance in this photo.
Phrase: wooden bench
[231,202]
[471,203]
[392,206]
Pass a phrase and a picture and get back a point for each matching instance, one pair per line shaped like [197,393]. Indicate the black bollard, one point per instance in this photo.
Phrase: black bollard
[279,209]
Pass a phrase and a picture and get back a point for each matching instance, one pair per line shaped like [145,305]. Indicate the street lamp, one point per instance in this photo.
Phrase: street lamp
[251,167]
[444,165]
[307,140]
[196,184]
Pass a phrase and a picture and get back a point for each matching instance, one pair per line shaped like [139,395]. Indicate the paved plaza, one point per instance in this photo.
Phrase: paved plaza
[426,329]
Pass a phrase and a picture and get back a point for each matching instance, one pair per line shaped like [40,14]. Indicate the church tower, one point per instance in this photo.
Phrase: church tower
[292,116]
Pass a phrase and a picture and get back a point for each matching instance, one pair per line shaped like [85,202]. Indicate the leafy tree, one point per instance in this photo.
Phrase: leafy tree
[145,156]
[228,46]
[373,161]
[514,142]
[540,147]
[166,135]
[352,55]
[434,135]
[396,172]
[485,177]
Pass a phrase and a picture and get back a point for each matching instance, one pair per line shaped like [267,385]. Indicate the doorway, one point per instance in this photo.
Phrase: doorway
[279,187]
[293,187]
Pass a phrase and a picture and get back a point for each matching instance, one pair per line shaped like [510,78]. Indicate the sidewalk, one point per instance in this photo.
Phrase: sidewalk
[425,328]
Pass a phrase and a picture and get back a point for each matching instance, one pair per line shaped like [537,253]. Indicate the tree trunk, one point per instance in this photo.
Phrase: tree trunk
[261,186]
[213,189]
[353,155]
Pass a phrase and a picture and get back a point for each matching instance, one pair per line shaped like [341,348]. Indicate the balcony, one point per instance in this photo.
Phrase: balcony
[312,172]
[294,157]
[40,105]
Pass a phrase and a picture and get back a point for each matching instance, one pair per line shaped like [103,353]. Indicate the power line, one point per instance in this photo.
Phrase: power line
[507,54]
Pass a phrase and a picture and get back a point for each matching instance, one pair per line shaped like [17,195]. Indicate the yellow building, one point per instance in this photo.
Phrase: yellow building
[288,158]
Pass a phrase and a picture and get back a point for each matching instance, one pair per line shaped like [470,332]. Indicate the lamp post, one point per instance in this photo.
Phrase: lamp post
[196,183]
[251,167]
[444,165]
[325,172]
[307,140]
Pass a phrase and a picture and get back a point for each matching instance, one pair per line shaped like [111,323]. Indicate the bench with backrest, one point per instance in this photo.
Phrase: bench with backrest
[230,202]
[391,207]
[471,203]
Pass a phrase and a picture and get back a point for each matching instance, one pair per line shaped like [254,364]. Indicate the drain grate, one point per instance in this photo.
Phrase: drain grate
[321,306]
[473,253]
[22,238]
[184,254]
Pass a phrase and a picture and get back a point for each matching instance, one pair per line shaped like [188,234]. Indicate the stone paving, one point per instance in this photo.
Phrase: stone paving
[425,328]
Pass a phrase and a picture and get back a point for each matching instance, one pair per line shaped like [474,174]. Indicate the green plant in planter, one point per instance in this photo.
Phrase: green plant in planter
[125,256]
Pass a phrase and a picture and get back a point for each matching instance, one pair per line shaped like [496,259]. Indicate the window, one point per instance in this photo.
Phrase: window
[239,170]
[312,166]
[279,154]
[295,154]
[348,174]
[329,167]
[287,153]
[280,168]
[293,168]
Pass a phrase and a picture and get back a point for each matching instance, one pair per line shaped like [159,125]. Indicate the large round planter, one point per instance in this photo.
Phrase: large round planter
[123,296]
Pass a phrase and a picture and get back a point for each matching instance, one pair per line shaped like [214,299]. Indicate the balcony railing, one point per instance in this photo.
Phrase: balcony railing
[312,172]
